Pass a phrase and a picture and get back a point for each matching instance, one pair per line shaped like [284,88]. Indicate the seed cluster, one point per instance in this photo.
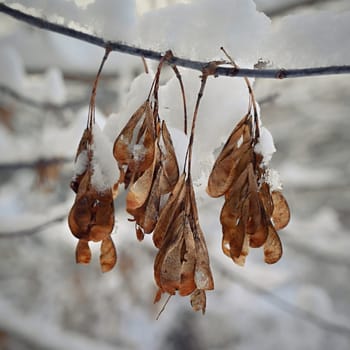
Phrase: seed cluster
[162,201]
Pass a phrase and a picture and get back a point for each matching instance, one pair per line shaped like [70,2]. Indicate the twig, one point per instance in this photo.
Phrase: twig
[316,254]
[34,164]
[268,99]
[32,230]
[283,304]
[41,105]
[285,8]
[181,62]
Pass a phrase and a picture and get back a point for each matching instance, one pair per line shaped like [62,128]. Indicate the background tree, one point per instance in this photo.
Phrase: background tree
[46,301]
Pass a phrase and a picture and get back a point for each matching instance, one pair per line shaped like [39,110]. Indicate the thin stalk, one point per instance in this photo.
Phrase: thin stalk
[190,144]
[91,117]
[252,101]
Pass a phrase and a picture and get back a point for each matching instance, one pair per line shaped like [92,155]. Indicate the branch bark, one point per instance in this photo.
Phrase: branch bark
[34,164]
[182,62]
[284,305]
[39,334]
[41,105]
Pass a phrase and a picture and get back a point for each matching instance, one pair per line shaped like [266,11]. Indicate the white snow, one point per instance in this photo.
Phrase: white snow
[11,68]
[54,87]
[308,121]
[81,163]
[265,146]
[272,177]
[105,170]
[184,29]
[317,38]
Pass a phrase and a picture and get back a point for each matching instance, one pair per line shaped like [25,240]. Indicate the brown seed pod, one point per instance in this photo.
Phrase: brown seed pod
[91,217]
[281,212]
[134,147]
[182,263]
[82,252]
[108,257]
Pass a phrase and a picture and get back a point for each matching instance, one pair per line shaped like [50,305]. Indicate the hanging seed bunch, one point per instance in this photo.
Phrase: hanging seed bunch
[253,211]
[149,170]
[162,201]
[182,263]
[147,160]
[92,215]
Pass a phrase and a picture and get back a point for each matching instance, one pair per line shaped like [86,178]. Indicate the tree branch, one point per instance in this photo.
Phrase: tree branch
[282,304]
[41,105]
[182,62]
[283,9]
[34,164]
[32,230]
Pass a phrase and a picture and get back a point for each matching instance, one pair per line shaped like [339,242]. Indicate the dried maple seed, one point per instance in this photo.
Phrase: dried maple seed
[251,213]
[91,217]
[108,257]
[182,263]
[83,252]
[281,212]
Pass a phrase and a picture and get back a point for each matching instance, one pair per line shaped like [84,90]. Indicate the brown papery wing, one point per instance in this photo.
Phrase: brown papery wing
[170,166]
[167,213]
[281,212]
[108,257]
[224,170]
[272,246]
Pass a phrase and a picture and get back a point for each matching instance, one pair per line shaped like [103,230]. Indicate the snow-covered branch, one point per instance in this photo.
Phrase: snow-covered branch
[284,8]
[41,334]
[155,55]
[32,230]
[33,164]
[281,303]
[6,90]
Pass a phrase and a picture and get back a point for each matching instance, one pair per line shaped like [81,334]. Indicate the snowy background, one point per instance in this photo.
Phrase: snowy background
[48,302]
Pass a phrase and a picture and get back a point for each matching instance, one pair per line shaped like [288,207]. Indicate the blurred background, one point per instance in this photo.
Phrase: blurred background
[49,302]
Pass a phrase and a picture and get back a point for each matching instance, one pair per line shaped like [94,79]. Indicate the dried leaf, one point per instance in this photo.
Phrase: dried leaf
[198,300]
[104,216]
[139,234]
[233,237]
[232,229]
[259,237]
[245,250]
[134,146]
[203,277]
[151,212]
[281,212]
[272,246]
[139,190]
[108,257]
[82,252]
[225,169]
[168,212]
[266,199]
[79,218]
[167,265]
[85,140]
[121,149]
[92,214]
[170,174]
[188,258]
